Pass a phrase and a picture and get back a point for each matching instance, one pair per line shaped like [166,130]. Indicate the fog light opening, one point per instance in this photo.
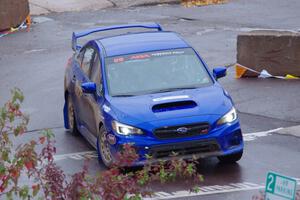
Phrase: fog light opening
[236,139]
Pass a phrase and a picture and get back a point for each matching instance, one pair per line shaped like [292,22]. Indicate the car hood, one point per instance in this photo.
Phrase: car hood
[134,110]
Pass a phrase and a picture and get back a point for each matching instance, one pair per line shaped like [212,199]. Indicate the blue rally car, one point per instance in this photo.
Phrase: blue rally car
[150,89]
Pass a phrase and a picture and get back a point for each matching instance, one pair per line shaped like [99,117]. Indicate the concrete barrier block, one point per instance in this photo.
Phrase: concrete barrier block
[278,52]
[13,13]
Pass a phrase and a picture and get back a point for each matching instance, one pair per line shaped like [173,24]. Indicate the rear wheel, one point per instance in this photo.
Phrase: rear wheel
[71,117]
[232,158]
[104,152]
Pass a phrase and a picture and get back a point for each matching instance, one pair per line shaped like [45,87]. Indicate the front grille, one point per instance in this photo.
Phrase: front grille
[186,148]
[182,131]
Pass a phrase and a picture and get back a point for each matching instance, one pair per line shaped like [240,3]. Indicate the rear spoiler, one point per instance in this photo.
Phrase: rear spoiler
[77,35]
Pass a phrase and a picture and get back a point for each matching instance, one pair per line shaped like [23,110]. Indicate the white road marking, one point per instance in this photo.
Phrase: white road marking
[163,194]
[34,50]
[93,154]
[254,136]
[292,130]
[77,156]
[208,190]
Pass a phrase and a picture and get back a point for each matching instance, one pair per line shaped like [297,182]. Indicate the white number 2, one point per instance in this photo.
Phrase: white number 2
[271,181]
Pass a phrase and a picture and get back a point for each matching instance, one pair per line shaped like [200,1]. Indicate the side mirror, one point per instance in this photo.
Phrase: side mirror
[89,87]
[219,72]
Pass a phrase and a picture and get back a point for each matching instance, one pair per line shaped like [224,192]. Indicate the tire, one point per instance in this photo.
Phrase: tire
[232,158]
[103,150]
[71,117]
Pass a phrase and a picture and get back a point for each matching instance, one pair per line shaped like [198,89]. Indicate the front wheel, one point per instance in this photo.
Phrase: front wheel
[232,158]
[103,148]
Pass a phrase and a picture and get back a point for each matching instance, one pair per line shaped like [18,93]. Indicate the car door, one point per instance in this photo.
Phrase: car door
[75,87]
[93,102]
[81,76]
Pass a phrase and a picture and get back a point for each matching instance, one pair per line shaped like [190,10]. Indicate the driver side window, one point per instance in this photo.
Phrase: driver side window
[96,75]
[87,60]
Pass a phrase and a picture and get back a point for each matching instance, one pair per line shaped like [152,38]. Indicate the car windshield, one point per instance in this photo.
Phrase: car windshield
[154,72]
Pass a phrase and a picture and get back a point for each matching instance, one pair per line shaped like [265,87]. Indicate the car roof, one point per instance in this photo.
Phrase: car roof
[141,42]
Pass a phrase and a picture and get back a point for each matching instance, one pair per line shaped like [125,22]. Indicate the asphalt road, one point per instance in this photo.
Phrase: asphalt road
[35,61]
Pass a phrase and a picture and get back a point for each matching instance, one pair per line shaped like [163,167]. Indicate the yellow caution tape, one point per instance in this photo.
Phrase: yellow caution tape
[28,22]
[288,76]
[13,29]
[240,70]
[25,24]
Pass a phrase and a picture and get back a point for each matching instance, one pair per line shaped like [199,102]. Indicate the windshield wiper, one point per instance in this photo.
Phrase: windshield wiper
[173,89]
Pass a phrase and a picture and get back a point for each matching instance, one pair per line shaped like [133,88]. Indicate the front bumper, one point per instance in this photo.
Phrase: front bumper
[224,140]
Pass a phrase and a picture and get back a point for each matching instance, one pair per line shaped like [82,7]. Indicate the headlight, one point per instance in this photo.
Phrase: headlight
[228,117]
[124,129]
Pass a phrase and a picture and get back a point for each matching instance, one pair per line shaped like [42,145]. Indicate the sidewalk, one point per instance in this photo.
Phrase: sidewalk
[38,7]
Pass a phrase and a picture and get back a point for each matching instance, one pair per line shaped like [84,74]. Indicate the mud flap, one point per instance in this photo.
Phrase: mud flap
[66,117]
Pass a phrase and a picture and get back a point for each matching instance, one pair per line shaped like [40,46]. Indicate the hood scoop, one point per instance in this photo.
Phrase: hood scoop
[178,105]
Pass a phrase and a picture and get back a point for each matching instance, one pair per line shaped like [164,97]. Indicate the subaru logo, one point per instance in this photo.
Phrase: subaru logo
[182,130]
